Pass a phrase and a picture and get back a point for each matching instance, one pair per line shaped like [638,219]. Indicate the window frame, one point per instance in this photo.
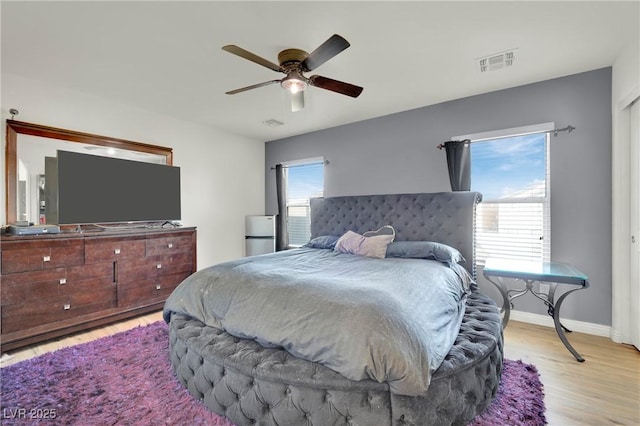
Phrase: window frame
[545,128]
[299,163]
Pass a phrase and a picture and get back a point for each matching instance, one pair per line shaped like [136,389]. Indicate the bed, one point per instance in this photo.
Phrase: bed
[248,364]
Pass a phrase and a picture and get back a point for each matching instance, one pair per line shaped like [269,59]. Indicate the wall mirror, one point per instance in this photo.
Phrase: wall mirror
[28,145]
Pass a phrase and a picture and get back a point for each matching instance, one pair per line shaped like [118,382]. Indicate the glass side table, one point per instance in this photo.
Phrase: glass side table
[529,272]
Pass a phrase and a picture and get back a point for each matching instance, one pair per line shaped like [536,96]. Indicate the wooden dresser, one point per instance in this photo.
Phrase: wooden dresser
[53,285]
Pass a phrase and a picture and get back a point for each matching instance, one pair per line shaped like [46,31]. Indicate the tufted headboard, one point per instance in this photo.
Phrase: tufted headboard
[445,217]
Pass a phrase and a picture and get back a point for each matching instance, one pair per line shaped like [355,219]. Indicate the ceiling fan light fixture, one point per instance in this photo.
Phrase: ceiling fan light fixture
[294,84]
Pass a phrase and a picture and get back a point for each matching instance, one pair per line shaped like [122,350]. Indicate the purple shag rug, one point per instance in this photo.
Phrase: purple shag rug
[127,379]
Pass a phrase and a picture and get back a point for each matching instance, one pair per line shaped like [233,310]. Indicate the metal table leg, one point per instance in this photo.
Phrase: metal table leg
[552,309]
[560,327]
[506,302]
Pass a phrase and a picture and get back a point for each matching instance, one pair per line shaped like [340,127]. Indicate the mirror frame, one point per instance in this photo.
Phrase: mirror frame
[15,128]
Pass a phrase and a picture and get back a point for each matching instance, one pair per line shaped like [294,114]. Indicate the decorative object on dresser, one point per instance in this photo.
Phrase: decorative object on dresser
[53,285]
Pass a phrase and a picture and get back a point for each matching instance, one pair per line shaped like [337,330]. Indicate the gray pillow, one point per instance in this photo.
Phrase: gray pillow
[323,242]
[425,250]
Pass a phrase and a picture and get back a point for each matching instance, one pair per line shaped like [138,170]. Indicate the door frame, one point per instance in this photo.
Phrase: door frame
[622,327]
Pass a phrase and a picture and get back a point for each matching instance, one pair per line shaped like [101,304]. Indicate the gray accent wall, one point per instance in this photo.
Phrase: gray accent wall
[397,154]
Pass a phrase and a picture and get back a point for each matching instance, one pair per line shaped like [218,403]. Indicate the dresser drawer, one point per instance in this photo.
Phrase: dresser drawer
[34,256]
[154,267]
[26,287]
[63,307]
[169,245]
[166,265]
[148,292]
[21,287]
[135,271]
[113,249]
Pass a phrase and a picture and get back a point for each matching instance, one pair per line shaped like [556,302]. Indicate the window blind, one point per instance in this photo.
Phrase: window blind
[513,221]
[304,181]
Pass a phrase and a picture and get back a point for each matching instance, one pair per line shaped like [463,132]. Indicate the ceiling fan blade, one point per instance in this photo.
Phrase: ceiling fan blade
[335,86]
[297,101]
[231,48]
[254,86]
[327,50]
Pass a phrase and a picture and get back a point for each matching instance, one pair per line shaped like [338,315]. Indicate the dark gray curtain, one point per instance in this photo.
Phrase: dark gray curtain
[459,163]
[282,234]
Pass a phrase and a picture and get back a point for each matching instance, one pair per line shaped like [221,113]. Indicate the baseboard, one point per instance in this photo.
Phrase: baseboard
[547,321]
[616,336]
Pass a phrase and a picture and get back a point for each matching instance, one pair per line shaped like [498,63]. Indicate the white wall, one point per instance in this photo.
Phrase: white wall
[222,174]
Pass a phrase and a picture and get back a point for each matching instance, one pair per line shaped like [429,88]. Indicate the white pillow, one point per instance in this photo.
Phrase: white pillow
[354,243]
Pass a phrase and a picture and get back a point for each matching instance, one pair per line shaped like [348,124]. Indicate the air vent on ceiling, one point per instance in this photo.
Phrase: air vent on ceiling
[497,61]
[272,122]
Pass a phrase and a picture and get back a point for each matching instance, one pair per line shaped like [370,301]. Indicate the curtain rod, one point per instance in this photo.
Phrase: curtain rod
[555,132]
[325,162]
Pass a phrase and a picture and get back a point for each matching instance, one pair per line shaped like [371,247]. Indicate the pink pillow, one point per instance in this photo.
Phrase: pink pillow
[354,243]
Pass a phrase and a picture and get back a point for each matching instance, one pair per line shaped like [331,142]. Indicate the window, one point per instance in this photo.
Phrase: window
[304,181]
[512,173]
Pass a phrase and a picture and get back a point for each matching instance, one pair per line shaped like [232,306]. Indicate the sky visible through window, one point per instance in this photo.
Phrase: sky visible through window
[509,167]
[305,181]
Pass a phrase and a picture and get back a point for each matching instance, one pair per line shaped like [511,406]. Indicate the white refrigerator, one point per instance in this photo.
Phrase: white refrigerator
[260,235]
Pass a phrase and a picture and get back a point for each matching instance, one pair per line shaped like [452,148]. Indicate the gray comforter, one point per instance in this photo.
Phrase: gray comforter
[391,320]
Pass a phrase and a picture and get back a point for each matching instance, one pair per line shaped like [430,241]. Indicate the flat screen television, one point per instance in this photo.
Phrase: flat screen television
[92,189]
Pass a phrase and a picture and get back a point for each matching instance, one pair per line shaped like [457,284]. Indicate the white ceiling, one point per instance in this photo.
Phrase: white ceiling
[167,57]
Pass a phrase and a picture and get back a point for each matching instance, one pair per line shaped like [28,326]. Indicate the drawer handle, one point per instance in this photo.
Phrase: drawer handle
[67,306]
[159,266]
[46,258]
[158,287]
[170,245]
[116,251]
[63,280]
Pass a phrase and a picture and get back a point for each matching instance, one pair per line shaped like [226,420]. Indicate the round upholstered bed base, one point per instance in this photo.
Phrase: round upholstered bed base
[250,384]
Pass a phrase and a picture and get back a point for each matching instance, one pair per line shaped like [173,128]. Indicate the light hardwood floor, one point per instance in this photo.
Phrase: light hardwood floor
[604,390]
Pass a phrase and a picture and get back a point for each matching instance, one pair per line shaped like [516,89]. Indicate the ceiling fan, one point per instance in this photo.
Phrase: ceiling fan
[295,62]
